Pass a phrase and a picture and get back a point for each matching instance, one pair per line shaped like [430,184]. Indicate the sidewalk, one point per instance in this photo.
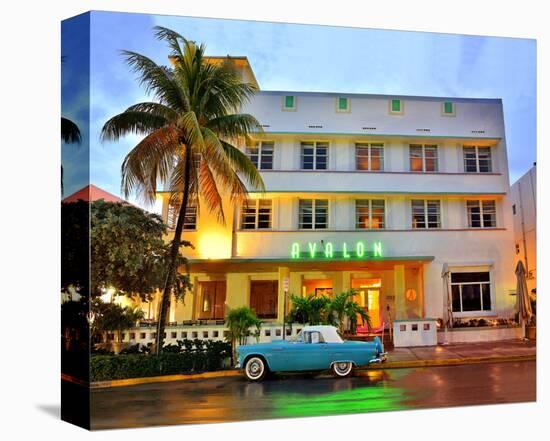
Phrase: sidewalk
[464,353]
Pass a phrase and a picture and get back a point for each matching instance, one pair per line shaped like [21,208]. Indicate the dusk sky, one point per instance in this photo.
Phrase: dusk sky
[294,57]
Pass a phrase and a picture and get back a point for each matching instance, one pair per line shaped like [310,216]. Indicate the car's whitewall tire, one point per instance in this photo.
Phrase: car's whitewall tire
[255,369]
[342,369]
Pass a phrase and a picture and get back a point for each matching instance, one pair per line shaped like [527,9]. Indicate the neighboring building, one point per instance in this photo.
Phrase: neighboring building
[371,192]
[524,209]
[92,193]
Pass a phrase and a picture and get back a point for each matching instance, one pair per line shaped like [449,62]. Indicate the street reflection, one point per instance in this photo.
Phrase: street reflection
[235,399]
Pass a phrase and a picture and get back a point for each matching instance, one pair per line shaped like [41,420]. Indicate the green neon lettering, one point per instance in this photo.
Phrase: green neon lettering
[360,249]
[345,253]
[328,250]
[295,253]
[377,247]
[312,248]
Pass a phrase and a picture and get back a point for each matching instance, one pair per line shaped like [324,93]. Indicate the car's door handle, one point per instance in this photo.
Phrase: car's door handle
[277,349]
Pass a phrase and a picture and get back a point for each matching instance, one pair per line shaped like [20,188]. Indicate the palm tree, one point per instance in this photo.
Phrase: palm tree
[310,309]
[238,322]
[342,306]
[190,132]
[70,134]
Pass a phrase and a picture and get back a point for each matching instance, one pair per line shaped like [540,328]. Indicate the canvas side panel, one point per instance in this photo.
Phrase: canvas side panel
[75,220]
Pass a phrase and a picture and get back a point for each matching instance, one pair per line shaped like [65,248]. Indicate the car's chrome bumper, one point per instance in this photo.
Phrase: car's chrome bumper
[381,358]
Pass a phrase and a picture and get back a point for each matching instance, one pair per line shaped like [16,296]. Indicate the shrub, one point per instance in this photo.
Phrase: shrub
[185,357]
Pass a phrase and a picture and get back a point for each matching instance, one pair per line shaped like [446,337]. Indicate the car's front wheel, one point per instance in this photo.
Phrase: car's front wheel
[255,369]
[342,369]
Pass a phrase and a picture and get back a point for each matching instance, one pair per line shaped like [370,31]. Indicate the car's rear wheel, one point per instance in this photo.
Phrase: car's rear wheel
[255,369]
[342,369]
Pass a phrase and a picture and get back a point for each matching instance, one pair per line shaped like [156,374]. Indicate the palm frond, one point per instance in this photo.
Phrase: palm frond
[150,161]
[156,79]
[70,133]
[131,122]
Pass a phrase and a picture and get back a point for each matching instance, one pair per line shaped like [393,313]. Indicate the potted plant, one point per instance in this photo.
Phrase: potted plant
[531,328]
[238,322]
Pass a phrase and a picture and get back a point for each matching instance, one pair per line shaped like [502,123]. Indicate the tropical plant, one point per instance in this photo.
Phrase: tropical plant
[310,309]
[189,138]
[113,317]
[239,321]
[128,252]
[342,306]
[70,134]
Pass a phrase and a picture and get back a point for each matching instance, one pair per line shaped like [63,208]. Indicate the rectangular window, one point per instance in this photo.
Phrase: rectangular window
[370,214]
[263,298]
[261,155]
[426,214]
[256,214]
[369,156]
[314,155]
[313,214]
[471,291]
[342,104]
[482,214]
[289,102]
[190,221]
[396,106]
[477,159]
[448,108]
[423,158]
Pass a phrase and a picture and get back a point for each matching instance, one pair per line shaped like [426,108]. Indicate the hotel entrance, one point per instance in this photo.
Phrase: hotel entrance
[368,297]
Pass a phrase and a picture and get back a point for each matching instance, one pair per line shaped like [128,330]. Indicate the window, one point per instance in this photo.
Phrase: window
[396,107]
[425,214]
[423,158]
[471,291]
[477,159]
[190,222]
[448,108]
[263,298]
[481,214]
[289,103]
[342,104]
[370,214]
[261,155]
[369,156]
[256,214]
[314,155]
[313,214]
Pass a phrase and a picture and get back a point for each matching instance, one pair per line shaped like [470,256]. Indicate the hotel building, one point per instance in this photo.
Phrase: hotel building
[372,192]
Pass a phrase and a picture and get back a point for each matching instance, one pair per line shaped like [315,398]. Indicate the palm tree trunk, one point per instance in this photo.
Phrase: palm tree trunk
[174,251]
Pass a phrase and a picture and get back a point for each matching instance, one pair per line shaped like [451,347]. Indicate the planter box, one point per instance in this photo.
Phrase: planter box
[531,332]
[481,334]
[419,332]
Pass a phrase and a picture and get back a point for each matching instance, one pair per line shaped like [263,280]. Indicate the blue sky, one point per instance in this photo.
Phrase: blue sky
[302,58]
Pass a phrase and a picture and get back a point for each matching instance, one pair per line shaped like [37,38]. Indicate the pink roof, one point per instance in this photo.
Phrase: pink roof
[92,193]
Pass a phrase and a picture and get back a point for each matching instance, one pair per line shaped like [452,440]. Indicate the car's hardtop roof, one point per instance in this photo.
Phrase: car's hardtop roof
[329,333]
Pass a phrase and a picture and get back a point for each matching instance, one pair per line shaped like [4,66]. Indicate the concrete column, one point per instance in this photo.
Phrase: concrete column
[283,272]
[399,290]
[237,292]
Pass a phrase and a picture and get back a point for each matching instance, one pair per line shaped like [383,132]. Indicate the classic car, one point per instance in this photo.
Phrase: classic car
[314,348]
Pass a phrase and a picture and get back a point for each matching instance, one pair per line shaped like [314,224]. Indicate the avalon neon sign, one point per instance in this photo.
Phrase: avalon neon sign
[328,251]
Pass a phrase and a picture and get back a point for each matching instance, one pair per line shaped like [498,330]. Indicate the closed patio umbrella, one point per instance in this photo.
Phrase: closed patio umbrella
[522,296]
[445,274]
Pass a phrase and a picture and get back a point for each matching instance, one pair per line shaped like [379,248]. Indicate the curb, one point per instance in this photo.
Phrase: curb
[378,366]
[447,362]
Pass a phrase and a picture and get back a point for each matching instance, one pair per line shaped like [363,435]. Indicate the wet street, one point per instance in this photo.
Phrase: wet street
[234,399]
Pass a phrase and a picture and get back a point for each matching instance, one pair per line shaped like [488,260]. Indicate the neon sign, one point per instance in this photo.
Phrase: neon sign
[347,250]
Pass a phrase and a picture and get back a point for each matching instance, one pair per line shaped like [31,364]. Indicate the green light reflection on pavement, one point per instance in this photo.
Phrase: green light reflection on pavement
[367,399]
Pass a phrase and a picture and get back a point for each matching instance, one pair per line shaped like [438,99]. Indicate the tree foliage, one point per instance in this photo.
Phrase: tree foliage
[113,317]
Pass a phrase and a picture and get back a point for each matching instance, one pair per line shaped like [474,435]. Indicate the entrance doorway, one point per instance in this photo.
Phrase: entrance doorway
[211,304]
[368,297]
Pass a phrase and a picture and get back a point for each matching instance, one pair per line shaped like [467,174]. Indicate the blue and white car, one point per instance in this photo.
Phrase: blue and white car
[315,348]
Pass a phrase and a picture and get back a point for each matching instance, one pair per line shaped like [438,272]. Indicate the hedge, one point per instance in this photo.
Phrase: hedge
[115,367]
